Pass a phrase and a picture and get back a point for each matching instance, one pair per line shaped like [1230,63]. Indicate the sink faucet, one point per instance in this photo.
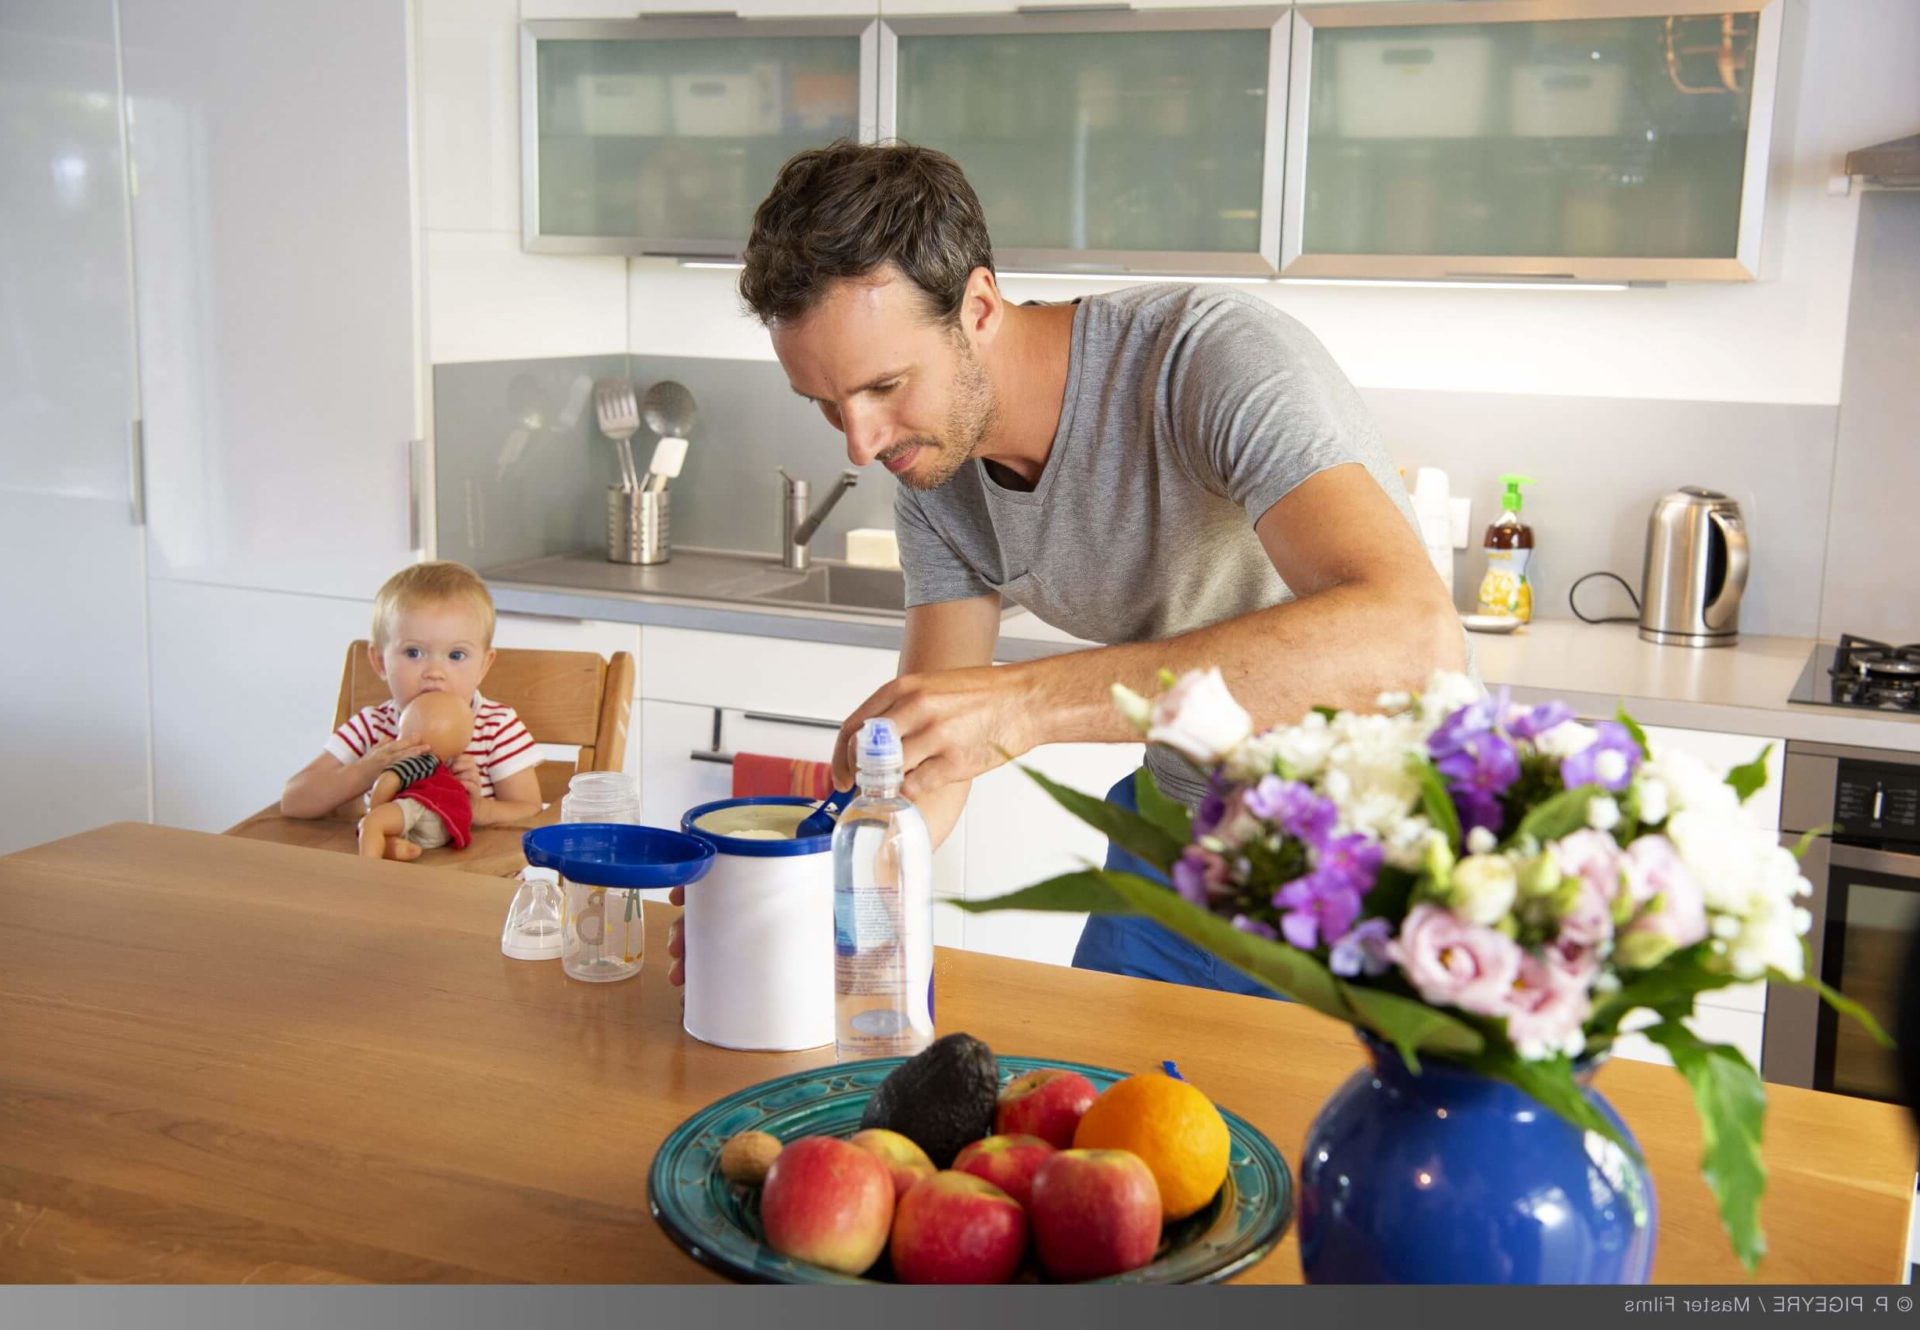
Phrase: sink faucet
[797,525]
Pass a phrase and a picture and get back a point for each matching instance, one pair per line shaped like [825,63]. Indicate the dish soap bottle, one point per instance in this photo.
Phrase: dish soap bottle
[882,910]
[1505,590]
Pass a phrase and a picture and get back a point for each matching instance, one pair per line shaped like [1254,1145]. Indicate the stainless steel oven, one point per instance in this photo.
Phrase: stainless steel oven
[1865,871]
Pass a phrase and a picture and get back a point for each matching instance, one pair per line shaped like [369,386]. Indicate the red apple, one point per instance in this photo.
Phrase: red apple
[827,1202]
[1095,1213]
[906,1162]
[1008,1162]
[1046,1103]
[955,1228]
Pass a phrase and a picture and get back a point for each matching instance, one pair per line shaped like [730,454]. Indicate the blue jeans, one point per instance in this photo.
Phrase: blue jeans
[1130,945]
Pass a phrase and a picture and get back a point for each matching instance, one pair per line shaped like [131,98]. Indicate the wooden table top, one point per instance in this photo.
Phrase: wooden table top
[226,1060]
[493,852]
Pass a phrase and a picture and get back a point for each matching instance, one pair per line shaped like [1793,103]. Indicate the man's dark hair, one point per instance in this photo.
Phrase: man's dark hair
[848,208]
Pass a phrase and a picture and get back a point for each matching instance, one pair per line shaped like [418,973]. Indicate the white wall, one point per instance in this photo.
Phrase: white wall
[1849,81]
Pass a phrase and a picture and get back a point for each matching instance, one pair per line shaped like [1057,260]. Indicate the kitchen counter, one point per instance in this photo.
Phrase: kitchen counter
[1741,689]
[223,1060]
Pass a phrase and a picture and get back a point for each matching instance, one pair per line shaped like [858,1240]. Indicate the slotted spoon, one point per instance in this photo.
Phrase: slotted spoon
[619,413]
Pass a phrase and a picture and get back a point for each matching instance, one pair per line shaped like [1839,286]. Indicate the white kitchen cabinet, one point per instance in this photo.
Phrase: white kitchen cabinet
[244,686]
[73,608]
[279,340]
[1717,1025]
[1017,836]
[819,680]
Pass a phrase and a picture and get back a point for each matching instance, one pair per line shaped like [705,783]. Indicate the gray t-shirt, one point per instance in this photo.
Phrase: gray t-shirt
[1189,412]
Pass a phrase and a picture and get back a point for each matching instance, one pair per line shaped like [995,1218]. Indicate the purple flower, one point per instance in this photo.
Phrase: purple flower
[1609,761]
[1213,806]
[1531,724]
[1255,927]
[1349,861]
[1198,873]
[1316,906]
[1292,807]
[1479,764]
[1478,771]
[1367,948]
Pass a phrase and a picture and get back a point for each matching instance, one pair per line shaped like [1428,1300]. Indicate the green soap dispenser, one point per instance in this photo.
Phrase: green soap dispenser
[1505,590]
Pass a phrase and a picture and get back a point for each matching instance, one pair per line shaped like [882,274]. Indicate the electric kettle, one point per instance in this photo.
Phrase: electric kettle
[1696,570]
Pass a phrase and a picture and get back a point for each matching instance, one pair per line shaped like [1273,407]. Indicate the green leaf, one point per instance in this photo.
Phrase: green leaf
[1436,802]
[1846,1006]
[1749,777]
[1551,1081]
[1632,726]
[1130,831]
[1680,976]
[1805,843]
[1560,815]
[1409,1025]
[1170,815]
[1732,1105]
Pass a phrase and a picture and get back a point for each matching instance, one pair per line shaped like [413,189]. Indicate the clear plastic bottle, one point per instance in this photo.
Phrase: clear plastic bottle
[882,911]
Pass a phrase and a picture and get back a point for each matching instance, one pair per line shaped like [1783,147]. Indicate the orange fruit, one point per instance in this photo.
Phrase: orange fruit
[1174,1129]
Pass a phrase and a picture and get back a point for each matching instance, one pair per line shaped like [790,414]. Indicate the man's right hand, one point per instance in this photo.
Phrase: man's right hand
[677,942]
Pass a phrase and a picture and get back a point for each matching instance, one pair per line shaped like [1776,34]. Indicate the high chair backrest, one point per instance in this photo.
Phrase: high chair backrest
[564,697]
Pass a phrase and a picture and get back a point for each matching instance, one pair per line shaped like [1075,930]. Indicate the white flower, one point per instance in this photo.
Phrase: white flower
[1565,739]
[1446,693]
[1603,814]
[1480,840]
[1369,771]
[1650,799]
[1690,783]
[1483,888]
[1297,752]
[1199,719]
[1405,844]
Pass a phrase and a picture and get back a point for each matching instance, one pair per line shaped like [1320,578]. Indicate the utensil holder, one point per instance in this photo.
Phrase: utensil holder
[637,526]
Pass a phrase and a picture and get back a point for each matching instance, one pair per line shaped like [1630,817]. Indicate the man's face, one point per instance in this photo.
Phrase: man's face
[905,391]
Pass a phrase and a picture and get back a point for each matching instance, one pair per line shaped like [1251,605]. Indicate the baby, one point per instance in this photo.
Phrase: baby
[432,633]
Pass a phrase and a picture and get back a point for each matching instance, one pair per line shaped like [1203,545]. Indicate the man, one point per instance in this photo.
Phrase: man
[1179,471]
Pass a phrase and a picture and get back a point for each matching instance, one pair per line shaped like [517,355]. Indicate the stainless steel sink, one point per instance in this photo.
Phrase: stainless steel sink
[842,587]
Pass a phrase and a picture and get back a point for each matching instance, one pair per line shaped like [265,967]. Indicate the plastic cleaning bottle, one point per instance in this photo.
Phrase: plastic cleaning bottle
[882,911]
[1505,589]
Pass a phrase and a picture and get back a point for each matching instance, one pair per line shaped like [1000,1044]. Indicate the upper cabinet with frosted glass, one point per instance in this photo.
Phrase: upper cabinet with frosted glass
[1579,140]
[1116,142]
[661,135]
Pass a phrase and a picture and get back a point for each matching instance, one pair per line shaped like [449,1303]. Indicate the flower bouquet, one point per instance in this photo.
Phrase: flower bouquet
[1493,886]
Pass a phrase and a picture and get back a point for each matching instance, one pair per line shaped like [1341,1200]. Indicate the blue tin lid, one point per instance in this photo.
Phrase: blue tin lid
[613,854]
[749,846]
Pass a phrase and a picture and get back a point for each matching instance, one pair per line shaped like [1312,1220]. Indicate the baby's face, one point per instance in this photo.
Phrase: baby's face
[435,648]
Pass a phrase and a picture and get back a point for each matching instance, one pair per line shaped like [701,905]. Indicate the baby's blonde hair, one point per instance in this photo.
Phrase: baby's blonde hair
[429,584]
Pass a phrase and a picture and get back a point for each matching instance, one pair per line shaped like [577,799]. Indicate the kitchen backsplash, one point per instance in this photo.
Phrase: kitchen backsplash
[522,471]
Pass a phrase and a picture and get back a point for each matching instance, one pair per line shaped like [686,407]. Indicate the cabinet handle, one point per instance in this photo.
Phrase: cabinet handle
[1513,276]
[416,455]
[808,721]
[1074,9]
[137,470]
[688,13]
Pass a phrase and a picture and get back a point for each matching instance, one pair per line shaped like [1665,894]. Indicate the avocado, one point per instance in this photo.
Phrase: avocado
[941,1099]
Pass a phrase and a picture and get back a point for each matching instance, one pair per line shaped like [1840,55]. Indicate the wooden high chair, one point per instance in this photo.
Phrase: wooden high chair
[564,697]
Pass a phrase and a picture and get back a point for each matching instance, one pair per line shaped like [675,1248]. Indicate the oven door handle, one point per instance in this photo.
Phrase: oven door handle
[1875,861]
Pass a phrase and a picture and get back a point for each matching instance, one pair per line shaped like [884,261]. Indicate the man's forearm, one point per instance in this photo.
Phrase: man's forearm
[1341,647]
[941,809]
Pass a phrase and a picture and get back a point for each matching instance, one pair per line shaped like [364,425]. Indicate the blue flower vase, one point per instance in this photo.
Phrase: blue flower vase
[1451,1177]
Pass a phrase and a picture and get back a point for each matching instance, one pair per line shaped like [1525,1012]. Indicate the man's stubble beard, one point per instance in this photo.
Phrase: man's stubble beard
[969,421]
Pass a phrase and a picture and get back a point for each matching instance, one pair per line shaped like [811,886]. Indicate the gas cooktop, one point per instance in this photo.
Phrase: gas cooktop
[1860,672]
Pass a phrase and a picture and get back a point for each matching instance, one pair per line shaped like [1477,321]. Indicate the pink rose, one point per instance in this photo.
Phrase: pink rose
[1676,913]
[1453,963]
[1546,1007]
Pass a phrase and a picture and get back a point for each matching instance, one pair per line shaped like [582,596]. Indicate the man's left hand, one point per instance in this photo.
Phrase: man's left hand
[954,725]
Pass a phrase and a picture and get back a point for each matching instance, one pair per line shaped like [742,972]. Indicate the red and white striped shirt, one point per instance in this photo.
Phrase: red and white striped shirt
[500,745]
